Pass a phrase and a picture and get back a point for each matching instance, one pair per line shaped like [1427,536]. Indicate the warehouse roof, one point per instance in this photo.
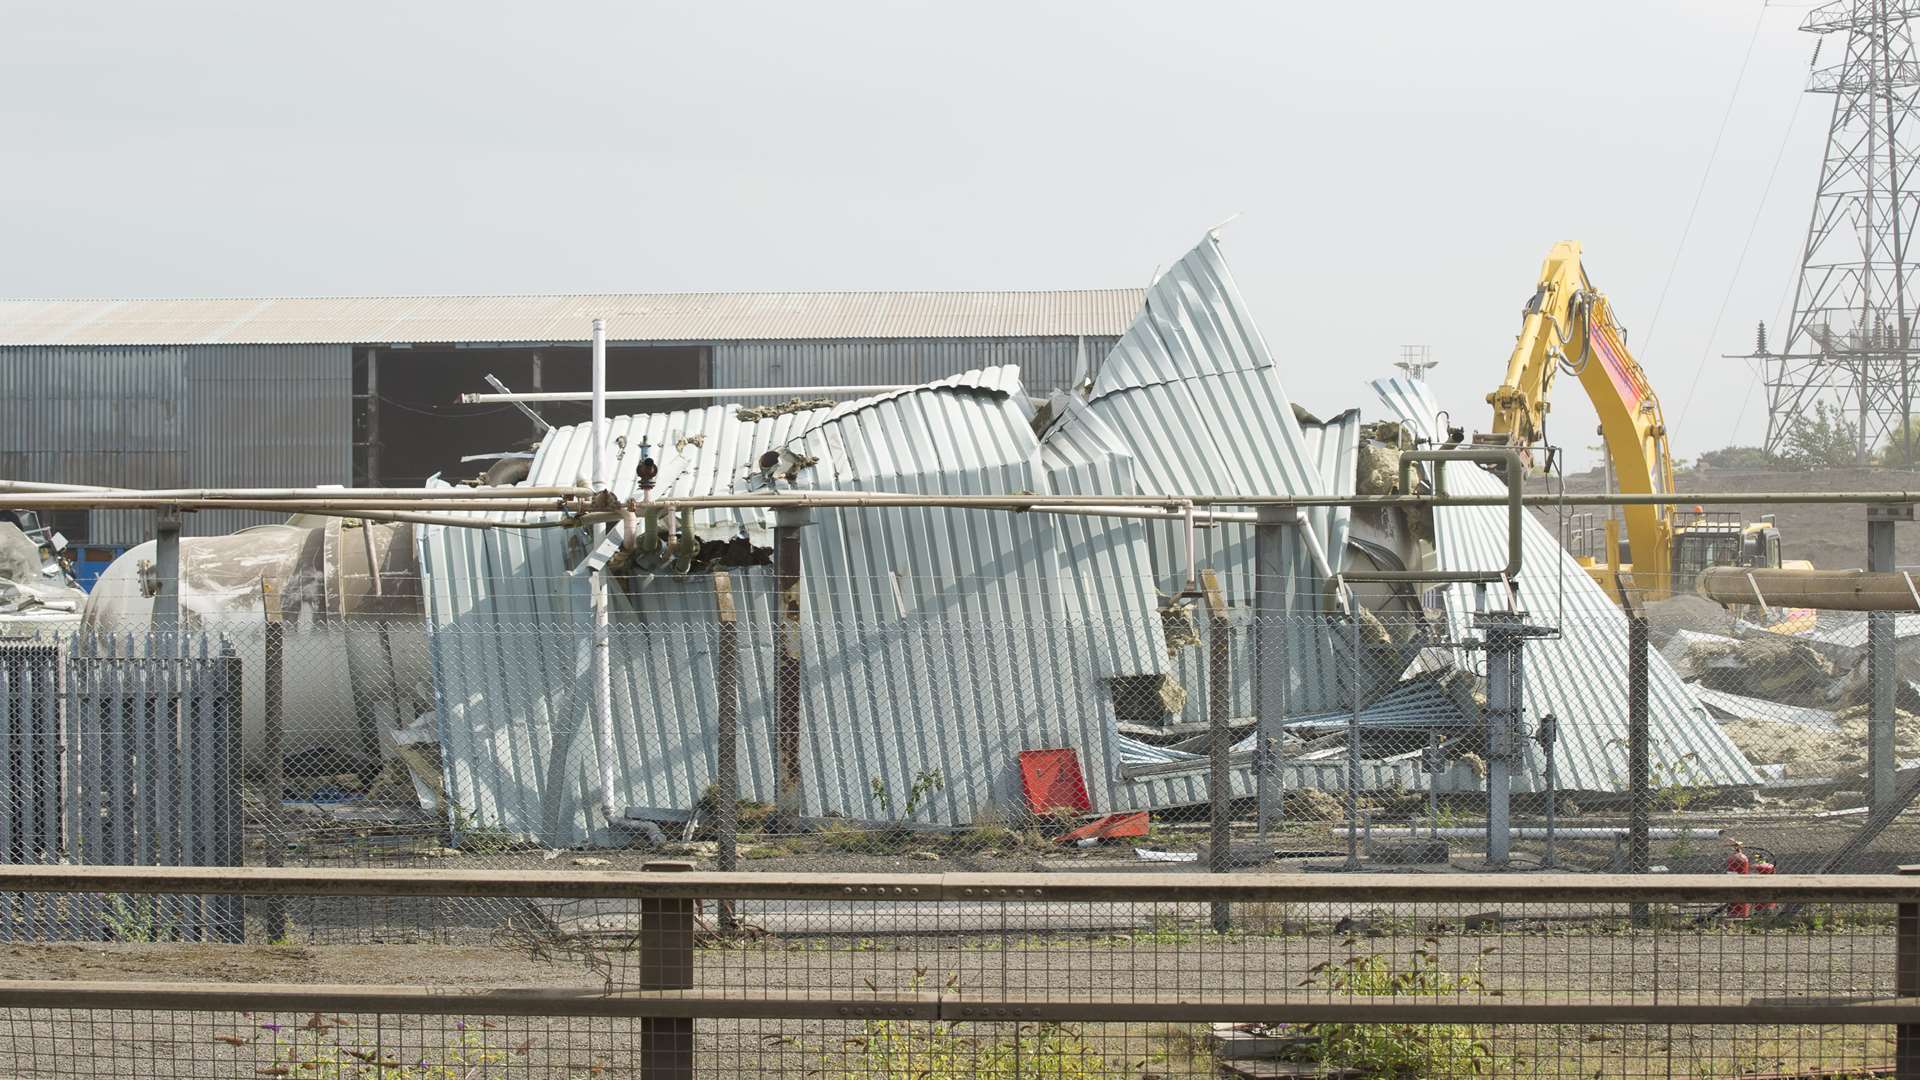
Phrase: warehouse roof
[377,320]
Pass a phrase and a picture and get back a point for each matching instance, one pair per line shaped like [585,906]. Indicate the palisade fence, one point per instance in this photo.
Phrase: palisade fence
[121,750]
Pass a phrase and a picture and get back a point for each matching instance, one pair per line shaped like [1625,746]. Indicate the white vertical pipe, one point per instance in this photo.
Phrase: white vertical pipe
[598,477]
[602,673]
[603,693]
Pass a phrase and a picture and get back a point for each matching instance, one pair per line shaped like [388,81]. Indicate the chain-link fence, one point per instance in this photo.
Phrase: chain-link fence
[715,729]
[711,726]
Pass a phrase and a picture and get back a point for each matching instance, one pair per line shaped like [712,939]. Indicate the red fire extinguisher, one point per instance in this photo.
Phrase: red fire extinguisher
[1759,861]
[1738,863]
[1763,864]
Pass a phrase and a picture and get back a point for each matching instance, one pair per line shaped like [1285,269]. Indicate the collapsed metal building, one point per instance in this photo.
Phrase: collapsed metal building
[944,641]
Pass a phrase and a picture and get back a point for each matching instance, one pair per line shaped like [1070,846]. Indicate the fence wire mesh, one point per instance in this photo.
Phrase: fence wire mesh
[972,739]
[808,982]
[918,737]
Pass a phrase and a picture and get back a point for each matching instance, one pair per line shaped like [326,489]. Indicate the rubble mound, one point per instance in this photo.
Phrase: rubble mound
[1684,612]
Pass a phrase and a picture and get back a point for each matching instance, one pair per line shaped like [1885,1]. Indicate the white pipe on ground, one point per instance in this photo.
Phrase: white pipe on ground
[1583,832]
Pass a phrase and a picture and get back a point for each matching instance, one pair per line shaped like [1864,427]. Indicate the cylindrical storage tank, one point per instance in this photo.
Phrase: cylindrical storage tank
[354,649]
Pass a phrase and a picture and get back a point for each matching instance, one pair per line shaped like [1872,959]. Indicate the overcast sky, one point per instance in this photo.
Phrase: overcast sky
[1400,168]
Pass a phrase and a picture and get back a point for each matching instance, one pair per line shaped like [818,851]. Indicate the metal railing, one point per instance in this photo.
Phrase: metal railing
[663,985]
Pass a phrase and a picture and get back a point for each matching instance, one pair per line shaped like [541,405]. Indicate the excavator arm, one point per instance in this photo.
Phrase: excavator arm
[1569,325]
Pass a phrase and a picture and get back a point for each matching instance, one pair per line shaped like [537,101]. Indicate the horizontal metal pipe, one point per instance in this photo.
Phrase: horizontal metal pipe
[46,502]
[1203,518]
[34,487]
[450,520]
[1834,590]
[830,499]
[1464,1007]
[1017,887]
[1023,502]
[683,395]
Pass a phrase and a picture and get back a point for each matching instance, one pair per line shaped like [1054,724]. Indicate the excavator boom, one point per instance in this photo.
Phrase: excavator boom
[1569,326]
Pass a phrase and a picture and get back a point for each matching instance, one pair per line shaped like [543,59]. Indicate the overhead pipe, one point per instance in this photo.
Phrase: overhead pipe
[28,487]
[131,498]
[603,394]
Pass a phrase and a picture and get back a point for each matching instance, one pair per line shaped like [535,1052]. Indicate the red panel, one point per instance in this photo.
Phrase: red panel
[1052,781]
[1111,827]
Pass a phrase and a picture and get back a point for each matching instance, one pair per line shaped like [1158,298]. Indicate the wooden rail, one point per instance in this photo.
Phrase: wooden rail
[697,885]
[915,1005]
[668,1001]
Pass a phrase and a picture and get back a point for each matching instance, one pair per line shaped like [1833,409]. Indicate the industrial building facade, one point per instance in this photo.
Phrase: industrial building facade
[364,391]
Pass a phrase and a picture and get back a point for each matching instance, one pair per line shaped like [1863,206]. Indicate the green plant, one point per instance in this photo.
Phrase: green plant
[476,838]
[936,1050]
[136,919]
[1402,1050]
[927,782]
[325,1047]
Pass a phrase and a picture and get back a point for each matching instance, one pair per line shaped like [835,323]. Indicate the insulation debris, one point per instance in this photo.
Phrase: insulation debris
[748,414]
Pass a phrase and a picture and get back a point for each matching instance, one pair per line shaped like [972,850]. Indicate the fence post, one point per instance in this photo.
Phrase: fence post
[1906,977]
[726,768]
[1639,806]
[666,963]
[1880,664]
[1269,666]
[789,799]
[1219,740]
[273,746]
[166,570]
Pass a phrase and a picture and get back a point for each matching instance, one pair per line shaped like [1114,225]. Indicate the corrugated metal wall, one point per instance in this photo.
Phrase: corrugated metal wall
[200,416]
[1045,363]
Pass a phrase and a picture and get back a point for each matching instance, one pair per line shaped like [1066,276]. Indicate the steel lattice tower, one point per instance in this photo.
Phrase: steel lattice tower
[1849,342]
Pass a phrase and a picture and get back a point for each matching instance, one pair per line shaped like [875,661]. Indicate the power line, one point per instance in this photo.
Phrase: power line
[1712,156]
[1793,117]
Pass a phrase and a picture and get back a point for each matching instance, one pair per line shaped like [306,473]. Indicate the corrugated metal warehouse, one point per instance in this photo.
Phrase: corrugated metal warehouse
[364,390]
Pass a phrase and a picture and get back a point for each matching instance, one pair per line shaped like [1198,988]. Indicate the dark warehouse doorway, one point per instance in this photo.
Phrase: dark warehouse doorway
[412,425]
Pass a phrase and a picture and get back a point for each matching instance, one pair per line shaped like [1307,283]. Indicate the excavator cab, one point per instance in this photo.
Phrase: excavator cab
[1707,538]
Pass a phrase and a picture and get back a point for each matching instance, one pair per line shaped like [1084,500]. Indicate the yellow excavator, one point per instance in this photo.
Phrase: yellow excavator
[1568,324]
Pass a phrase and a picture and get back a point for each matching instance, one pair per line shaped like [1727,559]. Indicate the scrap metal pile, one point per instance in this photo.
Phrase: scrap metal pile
[946,640]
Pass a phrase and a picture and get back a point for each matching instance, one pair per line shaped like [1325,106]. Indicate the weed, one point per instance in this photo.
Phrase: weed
[475,838]
[926,783]
[1402,1050]
[136,920]
[323,1047]
[936,1050]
